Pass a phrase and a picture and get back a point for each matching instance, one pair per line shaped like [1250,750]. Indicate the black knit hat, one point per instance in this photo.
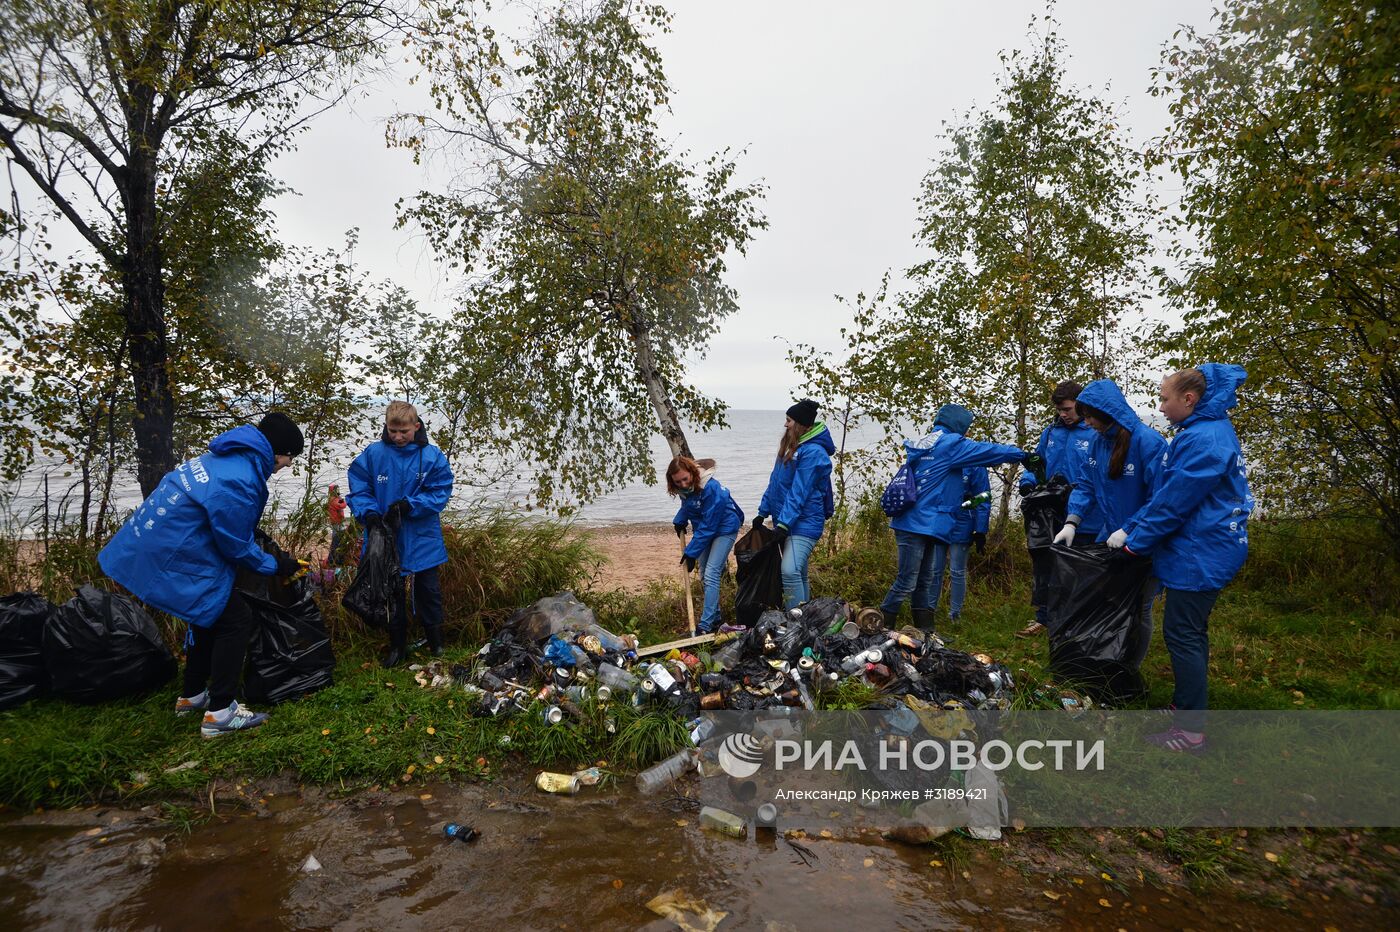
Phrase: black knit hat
[804,412]
[282,433]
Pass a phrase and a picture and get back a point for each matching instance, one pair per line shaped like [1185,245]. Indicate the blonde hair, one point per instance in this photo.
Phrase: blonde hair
[1187,380]
[401,412]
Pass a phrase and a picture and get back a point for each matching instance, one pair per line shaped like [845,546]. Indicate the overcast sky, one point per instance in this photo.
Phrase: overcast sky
[839,106]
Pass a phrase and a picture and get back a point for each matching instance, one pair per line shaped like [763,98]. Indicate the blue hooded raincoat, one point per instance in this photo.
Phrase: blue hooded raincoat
[418,472]
[977,519]
[180,550]
[711,511]
[938,461]
[1064,449]
[1193,527]
[799,494]
[1114,501]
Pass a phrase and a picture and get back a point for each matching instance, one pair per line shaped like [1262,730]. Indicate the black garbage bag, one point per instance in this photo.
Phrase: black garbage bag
[371,595]
[825,612]
[1043,510]
[100,646]
[1094,604]
[22,619]
[760,581]
[289,655]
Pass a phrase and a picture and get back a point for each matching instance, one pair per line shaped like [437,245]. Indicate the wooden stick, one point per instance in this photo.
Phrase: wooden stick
[685,581]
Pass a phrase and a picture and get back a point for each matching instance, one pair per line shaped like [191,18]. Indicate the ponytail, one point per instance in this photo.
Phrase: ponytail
[1121,441]
[1188,380]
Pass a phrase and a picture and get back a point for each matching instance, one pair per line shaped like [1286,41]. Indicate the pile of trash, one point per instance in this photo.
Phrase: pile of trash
[555,651]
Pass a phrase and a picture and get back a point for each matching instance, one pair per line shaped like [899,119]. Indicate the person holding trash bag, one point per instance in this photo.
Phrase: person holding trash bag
[709,509]
[937,461]
[1194,529]
[799,496]
[405,479]
[179,552]
[1115,481]
[1064,445]
[969,529]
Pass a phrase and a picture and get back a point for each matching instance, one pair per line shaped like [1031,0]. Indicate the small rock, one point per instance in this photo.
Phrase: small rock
[311,864]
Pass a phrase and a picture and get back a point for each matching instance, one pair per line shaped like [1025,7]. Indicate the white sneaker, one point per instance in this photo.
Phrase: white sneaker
[235,718]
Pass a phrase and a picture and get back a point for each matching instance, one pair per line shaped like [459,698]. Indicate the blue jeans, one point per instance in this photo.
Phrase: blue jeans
[711,564]
[955,556]
[914,577]
[1184,630]
[796,552]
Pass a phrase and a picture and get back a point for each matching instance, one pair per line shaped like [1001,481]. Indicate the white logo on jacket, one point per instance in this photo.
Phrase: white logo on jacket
[1083,444]
[1129,469]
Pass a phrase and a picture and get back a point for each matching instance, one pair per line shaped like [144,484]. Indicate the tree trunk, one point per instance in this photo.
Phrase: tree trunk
[657,390]
[153,422]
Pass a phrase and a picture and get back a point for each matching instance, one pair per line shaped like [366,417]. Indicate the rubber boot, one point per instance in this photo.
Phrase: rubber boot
[433,634]
[398,645]
[891,619]
[923,619]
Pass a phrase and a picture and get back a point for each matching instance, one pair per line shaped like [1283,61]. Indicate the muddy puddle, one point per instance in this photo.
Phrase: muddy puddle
[591,861]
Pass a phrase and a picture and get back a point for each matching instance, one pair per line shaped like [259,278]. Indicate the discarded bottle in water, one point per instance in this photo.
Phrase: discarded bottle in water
[653,779]
[566,784]
[981,498]
[456,832]
[718,820]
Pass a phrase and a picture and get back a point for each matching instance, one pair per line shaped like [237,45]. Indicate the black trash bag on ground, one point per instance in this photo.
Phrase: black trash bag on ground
[289,655]
[371,595]
[1043,510]
[760,581]
[1095,601]
[22,619]
[100,646]
[825,612]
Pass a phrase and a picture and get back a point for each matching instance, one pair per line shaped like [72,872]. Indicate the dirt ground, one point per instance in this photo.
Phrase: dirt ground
[638,554]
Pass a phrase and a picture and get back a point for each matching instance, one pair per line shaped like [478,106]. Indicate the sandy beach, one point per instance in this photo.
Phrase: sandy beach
[638,554]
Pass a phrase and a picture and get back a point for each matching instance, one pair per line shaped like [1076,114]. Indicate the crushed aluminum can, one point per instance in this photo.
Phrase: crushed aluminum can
[850,630]
[983,659]
[591,644]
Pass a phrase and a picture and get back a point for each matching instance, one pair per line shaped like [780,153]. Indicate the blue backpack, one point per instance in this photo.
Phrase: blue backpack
[899,496]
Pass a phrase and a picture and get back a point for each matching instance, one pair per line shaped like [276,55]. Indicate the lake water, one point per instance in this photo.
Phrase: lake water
[743,451]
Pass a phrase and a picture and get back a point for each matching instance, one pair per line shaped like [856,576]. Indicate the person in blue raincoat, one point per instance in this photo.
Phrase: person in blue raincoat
[799,495]
[1194,529]
[1063,446]
[938,461]
[709,509]
[969,529]
[1115,481]
[180,550]
[406,480]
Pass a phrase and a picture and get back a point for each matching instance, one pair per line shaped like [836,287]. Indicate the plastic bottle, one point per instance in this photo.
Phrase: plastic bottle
[616,677]
[455,832]
[654,778]
[981,498]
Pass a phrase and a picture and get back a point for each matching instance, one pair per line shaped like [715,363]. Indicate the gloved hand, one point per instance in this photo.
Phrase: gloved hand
[1122,558]
[680,530]
[371,519]
[400,509]
[687,562]
[1117,539]
[979,540]
[1066,536]
[758,520]
[1036,464]
[780,534]
[287,567]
